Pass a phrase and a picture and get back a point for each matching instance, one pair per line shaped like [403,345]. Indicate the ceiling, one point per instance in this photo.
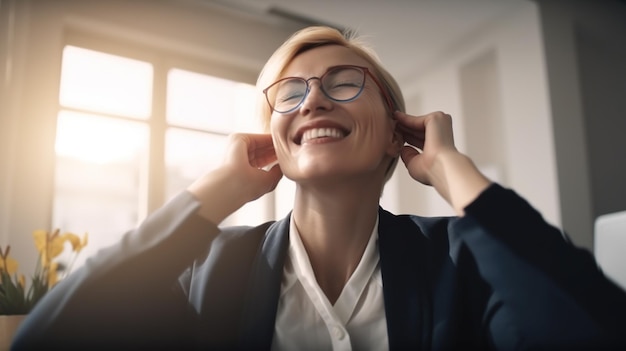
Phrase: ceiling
[408,35]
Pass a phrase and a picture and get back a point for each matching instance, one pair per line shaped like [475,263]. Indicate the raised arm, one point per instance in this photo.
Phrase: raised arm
[544,292]
[127,295]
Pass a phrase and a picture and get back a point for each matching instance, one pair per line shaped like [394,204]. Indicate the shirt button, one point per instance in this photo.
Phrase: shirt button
[338,332]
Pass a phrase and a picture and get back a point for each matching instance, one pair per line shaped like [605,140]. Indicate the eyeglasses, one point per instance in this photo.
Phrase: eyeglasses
[340,83]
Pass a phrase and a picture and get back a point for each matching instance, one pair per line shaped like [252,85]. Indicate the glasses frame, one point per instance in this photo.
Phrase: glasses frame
[365,70]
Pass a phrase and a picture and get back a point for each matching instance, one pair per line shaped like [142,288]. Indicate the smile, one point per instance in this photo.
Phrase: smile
[319,133]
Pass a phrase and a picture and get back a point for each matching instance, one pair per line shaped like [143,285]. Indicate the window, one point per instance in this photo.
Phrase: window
[120,152]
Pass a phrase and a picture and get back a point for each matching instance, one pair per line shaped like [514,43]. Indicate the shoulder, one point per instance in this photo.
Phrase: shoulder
[415,225]
[234,235]
[232,250]
[236,241]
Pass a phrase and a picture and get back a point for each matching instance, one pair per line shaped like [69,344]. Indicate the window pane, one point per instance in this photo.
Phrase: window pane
[188,155]
[205,102]
[100,171]
[101,82]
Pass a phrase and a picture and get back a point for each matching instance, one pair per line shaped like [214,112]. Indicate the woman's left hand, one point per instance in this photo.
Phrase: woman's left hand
[432,158]
[432,135]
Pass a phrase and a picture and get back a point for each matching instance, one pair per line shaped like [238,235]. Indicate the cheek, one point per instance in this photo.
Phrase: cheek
[278,130]
[373,113]
[375,119]
[375,100]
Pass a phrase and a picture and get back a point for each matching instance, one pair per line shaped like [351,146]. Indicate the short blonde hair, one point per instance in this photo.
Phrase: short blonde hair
[313,37]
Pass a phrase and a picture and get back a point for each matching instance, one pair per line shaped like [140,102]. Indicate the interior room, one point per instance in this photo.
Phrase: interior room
[109,108]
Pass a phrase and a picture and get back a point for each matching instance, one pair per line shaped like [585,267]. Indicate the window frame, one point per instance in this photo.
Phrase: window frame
[162,60]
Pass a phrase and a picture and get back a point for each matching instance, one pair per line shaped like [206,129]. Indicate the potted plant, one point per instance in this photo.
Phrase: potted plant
[17,298]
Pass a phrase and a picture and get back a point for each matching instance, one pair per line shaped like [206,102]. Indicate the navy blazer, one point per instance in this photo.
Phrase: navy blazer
[498,278]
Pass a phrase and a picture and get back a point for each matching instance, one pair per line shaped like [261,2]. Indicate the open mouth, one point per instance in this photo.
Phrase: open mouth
[313,134]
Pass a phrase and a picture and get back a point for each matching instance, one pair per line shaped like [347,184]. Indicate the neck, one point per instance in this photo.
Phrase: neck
[335,223]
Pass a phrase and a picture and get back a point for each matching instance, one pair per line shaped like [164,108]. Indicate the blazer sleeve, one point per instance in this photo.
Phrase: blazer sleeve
[546,292]
[126,295]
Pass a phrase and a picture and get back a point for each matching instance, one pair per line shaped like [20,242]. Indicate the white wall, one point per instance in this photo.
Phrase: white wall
[585,56]
[528,161]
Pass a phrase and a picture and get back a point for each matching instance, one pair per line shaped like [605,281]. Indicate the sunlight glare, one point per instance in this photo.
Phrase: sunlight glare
[101,82]
[206,102]
[99,140]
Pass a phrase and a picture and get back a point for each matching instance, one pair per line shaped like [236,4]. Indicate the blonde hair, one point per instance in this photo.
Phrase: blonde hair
[313,37]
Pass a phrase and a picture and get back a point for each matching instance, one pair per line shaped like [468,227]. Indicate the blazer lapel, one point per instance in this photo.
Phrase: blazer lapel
[403,258]
[263,294]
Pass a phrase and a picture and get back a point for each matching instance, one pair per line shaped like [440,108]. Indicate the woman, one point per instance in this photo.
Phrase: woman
[338,272]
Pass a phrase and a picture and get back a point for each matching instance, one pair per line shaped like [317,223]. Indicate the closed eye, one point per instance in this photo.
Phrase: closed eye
[290,97]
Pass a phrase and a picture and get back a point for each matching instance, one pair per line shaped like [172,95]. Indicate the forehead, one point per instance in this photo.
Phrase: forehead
[316,61]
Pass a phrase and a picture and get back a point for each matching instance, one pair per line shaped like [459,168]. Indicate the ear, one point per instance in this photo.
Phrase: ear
[397,140]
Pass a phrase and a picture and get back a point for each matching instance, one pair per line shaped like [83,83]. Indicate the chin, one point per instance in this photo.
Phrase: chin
[325,174]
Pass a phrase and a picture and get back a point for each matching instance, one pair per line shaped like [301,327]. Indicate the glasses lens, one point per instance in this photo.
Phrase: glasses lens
[344,83]
[339,84]
[287,94]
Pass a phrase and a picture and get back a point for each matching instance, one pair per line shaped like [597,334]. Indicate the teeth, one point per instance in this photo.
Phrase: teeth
[321,133]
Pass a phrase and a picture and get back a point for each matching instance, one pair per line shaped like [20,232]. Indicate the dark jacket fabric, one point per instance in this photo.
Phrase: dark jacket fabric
[500,277]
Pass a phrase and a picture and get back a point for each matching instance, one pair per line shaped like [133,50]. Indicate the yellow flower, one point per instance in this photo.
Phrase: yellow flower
[73,239]
[55,247]
[77,243]
[41,240]
[7,263]
[49,245]
[52,274]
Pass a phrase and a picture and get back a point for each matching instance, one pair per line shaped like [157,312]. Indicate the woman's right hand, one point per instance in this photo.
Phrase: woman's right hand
[240,178]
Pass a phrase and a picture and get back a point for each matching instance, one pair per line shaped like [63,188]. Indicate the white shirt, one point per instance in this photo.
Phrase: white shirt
[305,318]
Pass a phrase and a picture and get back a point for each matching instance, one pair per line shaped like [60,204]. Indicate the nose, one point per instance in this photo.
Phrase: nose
[315,98]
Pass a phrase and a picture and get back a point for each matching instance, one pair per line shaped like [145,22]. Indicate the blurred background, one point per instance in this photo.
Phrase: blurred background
[110,108]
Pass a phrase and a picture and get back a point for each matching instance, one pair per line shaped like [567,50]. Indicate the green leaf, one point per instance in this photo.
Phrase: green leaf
[12,297]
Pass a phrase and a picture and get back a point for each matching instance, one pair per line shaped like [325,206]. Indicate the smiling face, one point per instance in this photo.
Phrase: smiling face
[324,140]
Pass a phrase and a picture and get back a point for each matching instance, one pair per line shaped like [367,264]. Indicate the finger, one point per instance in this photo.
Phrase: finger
[261,157]
[408,153]
[413,129]
[413,137]
[265,180]
[410,121]
[259,140]
[409,131]
[260,160]
[259,148]
[418,142]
